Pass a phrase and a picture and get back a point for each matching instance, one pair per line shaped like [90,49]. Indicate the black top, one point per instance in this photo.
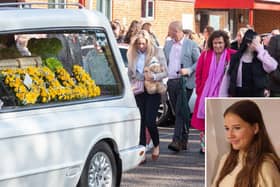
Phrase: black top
[234,45]
[248,88]
[254,78]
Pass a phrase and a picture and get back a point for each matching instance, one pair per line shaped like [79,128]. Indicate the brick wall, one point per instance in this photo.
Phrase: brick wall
[165,12]
[126,11]
[265,21]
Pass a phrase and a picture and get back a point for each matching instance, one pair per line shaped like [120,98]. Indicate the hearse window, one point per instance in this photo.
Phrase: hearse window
[56,67]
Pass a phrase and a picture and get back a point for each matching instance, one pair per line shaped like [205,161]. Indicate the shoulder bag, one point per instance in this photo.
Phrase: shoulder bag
[137,87]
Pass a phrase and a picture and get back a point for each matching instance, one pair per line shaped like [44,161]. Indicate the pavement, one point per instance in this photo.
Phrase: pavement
[183,169]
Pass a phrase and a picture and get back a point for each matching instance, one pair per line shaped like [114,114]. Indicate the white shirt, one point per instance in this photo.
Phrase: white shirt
[140,62]
[174,64]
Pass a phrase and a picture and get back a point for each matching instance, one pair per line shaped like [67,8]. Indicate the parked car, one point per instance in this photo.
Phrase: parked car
[68,116]
[123,50]
[165,113]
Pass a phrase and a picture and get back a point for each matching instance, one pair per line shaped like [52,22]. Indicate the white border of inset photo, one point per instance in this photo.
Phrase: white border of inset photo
[216,144]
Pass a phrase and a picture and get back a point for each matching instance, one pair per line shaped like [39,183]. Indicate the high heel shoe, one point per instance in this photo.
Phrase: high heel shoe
[154,157]
[155,153]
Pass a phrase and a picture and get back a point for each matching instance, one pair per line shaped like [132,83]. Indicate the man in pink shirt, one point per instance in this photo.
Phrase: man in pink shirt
[182,55]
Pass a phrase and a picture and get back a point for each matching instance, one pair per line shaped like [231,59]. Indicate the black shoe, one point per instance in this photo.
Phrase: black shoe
[184,145]
[175,146]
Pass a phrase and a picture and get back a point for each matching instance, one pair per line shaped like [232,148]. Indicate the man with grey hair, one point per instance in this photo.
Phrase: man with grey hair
[182,55]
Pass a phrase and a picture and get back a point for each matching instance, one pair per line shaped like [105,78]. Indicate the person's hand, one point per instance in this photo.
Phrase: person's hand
[256,44]
[185,71]
[266,93]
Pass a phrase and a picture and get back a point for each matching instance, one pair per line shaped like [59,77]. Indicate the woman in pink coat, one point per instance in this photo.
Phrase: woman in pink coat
[209,74]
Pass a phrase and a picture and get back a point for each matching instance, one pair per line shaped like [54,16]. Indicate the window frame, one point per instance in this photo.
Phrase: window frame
[145,9]
[119,80]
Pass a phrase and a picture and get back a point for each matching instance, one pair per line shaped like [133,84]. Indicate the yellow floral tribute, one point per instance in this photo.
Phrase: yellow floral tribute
[49,86]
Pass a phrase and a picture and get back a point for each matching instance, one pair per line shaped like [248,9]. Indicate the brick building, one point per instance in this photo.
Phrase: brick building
[264,15]
[162,13]
[158,12]
[195,14]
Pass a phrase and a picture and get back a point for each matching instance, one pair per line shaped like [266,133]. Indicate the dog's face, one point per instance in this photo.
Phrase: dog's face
[156,68]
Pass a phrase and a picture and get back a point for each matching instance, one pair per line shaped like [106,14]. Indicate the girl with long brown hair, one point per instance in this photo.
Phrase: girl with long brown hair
[252,160]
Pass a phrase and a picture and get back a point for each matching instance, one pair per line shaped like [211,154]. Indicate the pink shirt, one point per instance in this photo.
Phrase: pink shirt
[174,64]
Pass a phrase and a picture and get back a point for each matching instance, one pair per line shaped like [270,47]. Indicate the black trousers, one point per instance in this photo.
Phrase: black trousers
[181,129]
[148,105]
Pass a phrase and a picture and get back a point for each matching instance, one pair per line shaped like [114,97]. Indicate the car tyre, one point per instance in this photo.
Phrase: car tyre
[100,168]
[165,116]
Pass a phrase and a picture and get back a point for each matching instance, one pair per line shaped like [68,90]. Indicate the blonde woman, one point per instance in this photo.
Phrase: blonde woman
[140,53]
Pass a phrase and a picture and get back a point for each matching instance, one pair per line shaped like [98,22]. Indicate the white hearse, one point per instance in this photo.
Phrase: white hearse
[67,116]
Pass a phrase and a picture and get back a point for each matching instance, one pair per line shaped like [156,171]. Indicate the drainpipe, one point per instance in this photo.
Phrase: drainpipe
[251,17]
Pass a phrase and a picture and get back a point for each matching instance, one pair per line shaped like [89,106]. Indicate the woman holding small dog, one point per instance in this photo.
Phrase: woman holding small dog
[141,55]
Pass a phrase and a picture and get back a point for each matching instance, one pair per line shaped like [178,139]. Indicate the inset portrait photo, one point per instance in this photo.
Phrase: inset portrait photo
[242,142]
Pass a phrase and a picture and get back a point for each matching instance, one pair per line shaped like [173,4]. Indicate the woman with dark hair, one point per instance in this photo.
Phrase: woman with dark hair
[248,70]
[134,27]
[118,31]
[208,30]
[274,76]
[252,160]
[209,73]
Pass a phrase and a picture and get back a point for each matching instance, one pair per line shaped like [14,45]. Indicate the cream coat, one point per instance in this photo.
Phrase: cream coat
[140,76]
[269,175]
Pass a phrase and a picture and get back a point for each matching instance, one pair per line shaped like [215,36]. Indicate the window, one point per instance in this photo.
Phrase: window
[57,1]
[56,67]
[147,8]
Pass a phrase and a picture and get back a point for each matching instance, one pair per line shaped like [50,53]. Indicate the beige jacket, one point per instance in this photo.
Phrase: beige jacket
[132,74]
[269,175]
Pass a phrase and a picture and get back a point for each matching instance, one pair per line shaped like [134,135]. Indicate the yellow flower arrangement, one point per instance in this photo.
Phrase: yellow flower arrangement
[14,79]
[48,86]
[86,84]
[64,77]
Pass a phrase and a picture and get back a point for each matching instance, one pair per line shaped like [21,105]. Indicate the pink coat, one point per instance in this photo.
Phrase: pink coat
[201,75]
